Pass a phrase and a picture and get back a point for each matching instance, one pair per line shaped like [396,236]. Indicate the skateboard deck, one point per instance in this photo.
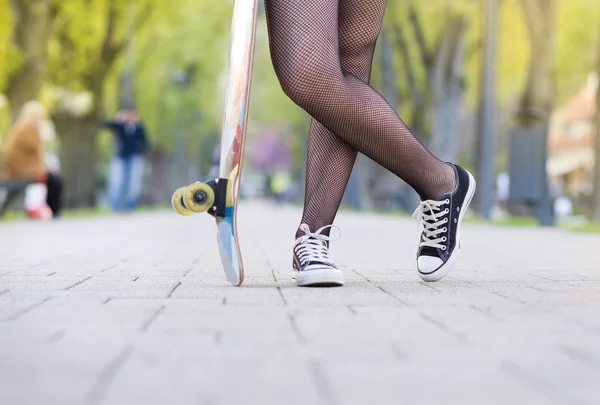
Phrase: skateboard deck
[220,197]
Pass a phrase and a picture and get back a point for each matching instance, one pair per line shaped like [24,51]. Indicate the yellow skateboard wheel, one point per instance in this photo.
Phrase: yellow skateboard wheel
[177,202]
[198,197]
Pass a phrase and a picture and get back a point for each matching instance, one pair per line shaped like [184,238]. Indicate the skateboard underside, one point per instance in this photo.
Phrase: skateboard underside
[233,137]
[219,197]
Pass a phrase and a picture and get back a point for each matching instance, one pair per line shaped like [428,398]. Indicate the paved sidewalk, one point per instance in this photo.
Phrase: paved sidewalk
[130,310]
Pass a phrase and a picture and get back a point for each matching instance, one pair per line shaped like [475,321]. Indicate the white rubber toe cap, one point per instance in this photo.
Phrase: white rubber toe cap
[428,264]
[323,276]
[433,268]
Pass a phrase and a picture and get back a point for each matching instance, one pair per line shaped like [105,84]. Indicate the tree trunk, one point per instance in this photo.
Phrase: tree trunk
[448,85]
[33,24]
[541,24]
[595,211]
[78,157]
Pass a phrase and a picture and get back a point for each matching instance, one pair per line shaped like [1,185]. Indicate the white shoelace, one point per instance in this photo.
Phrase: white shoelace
[431,218]
[312,247]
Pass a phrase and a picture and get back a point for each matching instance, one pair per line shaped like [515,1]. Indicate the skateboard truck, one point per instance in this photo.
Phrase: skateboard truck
[219,187]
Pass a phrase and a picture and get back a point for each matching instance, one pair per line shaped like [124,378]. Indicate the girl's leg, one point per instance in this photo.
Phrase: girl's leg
[304,44]
[330,159]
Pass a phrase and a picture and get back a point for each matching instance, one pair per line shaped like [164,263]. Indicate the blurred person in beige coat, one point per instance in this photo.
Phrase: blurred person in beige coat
[24,157]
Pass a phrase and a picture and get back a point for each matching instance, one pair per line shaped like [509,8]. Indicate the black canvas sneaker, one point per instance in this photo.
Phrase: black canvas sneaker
[439,227]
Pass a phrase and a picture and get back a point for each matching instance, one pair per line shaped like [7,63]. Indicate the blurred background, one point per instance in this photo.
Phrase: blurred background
[508,89]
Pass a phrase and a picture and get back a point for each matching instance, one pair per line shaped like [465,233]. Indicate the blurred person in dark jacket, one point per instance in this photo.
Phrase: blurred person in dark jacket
[24,155]
[127,165]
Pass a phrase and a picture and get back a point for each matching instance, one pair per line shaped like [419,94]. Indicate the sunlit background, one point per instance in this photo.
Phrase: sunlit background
[438,62]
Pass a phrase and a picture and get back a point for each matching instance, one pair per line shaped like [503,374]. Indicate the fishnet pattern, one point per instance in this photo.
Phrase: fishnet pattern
[322,52]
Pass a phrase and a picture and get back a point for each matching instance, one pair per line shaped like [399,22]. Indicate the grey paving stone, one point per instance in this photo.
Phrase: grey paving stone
[138,310]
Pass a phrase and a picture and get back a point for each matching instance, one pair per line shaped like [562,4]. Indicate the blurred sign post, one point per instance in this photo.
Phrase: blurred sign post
[487,126]
[527,166]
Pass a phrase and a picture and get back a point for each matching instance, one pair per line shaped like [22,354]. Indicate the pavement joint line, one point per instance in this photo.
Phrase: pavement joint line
[544,278]
[398,353]
[383,290]
[4,292]
[194,263]
[587,326]
[461,336]
[428,285]
[55,337]
[51,274]
[28,309]
[173,289]
[394,297]
[485,311]
[136,279]
[351,309]
[299,335]
[580,357]
[152,319]
[365,277]
[281,295]
[322,383]
[78,283]
[112,266]
[224,301]
[508,298]
[539,384]
[97,392]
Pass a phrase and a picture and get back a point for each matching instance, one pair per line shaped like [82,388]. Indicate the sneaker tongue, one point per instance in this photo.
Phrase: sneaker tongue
[429,251]
[313,262]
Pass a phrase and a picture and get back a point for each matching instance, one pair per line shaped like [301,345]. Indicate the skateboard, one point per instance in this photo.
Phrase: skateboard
[220,197]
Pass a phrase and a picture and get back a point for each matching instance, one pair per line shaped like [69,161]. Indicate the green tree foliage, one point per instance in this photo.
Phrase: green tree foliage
[26,55]
[86,58]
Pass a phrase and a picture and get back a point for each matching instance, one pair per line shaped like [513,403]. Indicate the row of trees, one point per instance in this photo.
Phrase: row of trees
[547,48]
[71,54]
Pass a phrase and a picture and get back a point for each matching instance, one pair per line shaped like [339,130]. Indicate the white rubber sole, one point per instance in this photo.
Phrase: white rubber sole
[320,278]
[445,268]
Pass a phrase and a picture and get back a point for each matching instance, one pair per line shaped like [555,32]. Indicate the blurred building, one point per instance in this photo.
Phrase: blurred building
[571,140]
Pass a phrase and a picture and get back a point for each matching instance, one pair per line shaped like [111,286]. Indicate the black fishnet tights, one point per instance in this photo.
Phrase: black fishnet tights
[322,52]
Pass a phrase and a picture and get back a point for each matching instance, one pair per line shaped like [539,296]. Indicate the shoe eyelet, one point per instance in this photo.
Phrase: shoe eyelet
[444,248]
[444,239]
[444,229]
[454,220]
[457,208]
[445,220]
[447,201]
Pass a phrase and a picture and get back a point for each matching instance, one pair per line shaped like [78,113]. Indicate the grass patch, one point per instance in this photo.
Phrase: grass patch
[590,227]
[85,212]
[12,216]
